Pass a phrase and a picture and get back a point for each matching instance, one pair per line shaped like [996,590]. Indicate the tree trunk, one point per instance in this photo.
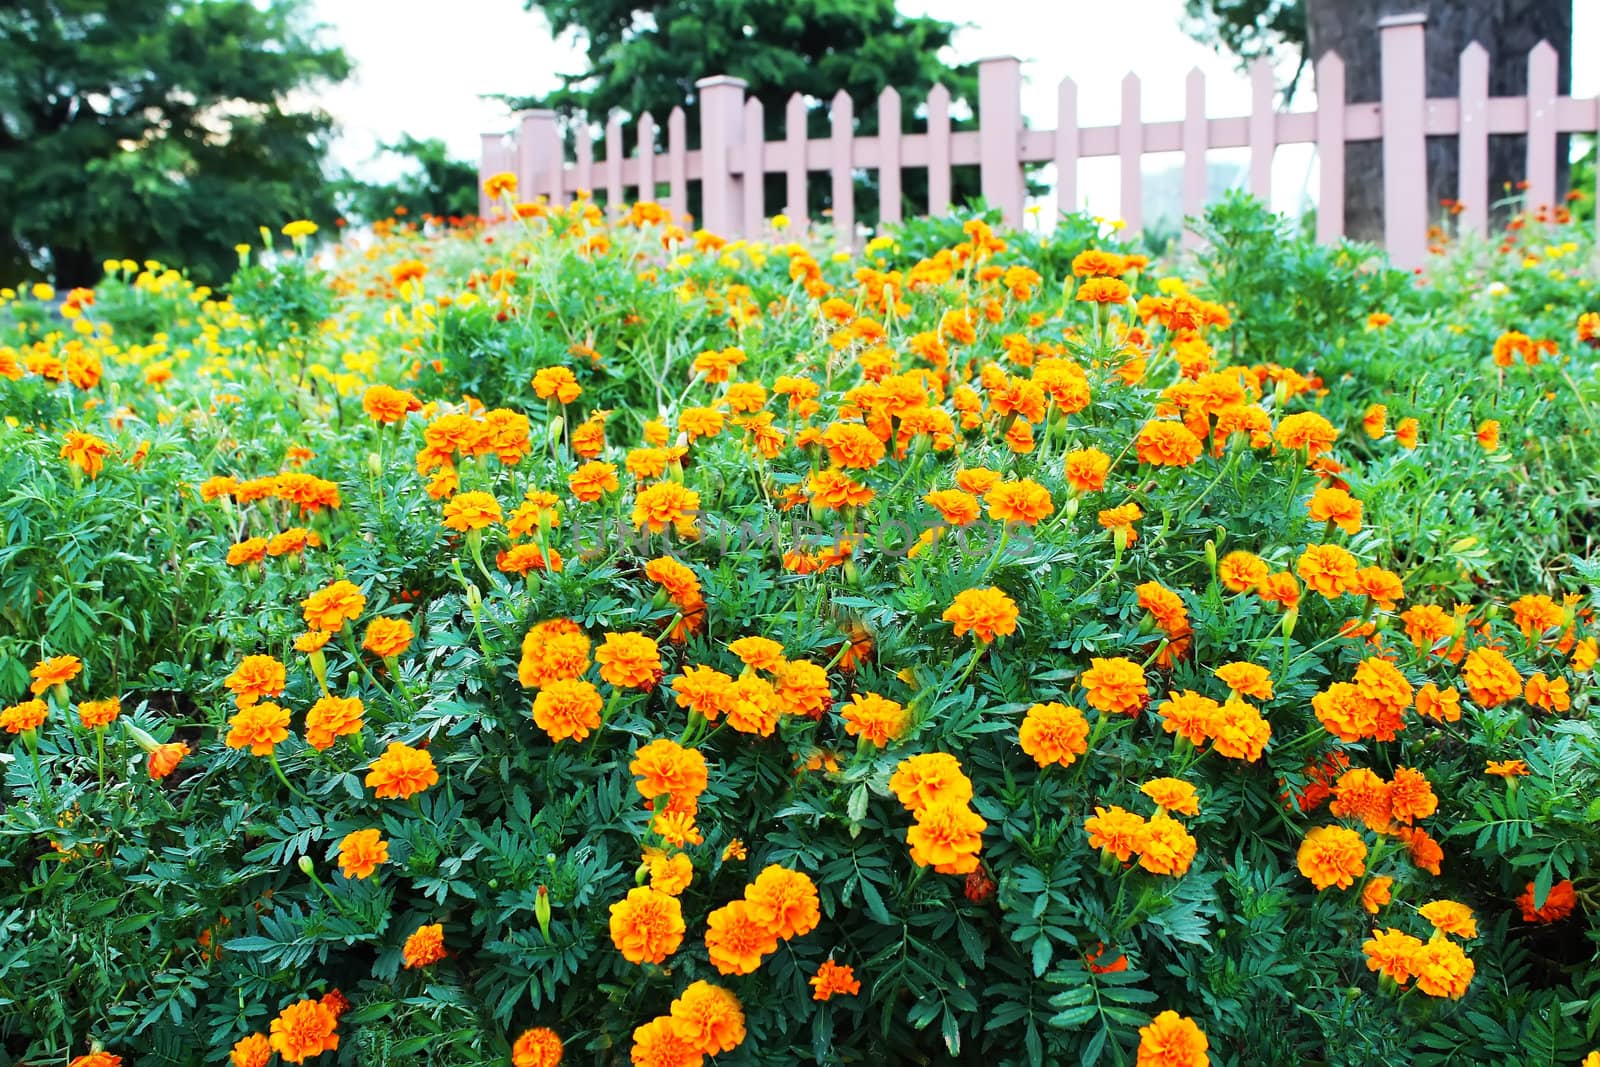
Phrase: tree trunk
[1508,29]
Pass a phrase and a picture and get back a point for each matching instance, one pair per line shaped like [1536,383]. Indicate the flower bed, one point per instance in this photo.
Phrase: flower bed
[613,639]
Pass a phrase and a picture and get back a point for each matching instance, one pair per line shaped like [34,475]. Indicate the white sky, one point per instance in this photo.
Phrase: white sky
[408,80]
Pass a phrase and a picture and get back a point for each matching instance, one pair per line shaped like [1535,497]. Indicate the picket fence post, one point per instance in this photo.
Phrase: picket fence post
[539,155]
[1405,147]
[721,131]
[1000,135]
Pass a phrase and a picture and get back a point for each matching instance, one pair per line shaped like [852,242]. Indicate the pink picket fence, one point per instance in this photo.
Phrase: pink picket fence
[734,156]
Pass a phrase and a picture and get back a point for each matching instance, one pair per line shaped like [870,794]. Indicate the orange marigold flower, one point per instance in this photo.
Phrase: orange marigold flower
[97,1059]
[538,1047]
[293,541]
[1172,1041]
[331,717]
[1238,731]
[985,613]
[1102,290]
[302,1030]
[401,772]
[665,767]
[254,678]
[921,781]
[1054,733]
[1114,830]
[1558,903]
[28,715]
[1332,856]
[1548,695]
[86,452]
[947,836]
[709,1018]
[1115,685]
[1442,969]
[1167,444]
[1240,570]
[551,650]
[738,935]
[1086,469]
[328,609]
[873,718]
[647,925]
[1384,694]
[1343,713]
[752,705]
[557,382]
[1511,768]
[1164,846]
[658,1044]
[250,550]
[1306,430]
[1188,714]
[1441,705]
[1024,501]
[1172,794]
[851,444]
[471,511]
[1490,678]
[1405,432]
[97,713]
[762,653]
[1361,794]
[834,979]
[1382,586]
[258,727]
[1326,569]
[1450,917]
[1334,505]
[1375,893]
[164,759]
[956,507]
[836,490]
[386,404]
[425,946]
[1488,435]
[786,900]
[1280,588]
[361,852]
[1166,607]
[1391,953]
[1375,421]
[666,504]
[252,1050]
[1411,796]
[1423,851]
[387,636]
[629,661]
[568,708]
[593,480]
[703,691]
[1246,679]
[803,689]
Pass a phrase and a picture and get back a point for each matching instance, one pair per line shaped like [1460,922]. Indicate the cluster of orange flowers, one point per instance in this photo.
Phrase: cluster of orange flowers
[946,834]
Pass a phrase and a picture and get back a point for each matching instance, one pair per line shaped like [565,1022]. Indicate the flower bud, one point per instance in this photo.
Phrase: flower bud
[541,911]
[306,866]
[374,464]
[558,426]
[1290,617]
[474,597]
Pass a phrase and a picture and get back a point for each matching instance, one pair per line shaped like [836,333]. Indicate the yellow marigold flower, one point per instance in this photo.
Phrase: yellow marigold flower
[873,718]
[1511,768]
[666,504]
[762,653]
[670,874]
[1246,679]
[471,511]
[1188,714]
[28,715]
[54,671]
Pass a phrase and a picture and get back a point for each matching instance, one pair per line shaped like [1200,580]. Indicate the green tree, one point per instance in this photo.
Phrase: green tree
[156,129]
[645,55]
[434,184]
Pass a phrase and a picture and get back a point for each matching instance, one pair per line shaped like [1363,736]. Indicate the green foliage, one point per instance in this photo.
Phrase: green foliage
[149,129]
[434,184]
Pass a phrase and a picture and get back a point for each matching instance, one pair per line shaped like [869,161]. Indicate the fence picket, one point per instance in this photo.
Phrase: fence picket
[888,156]
[1405,159]
[583,148]
[999,135]
[1067,145]
[794,131]
[1330,148]
[1263,129]
[614,154]
[842,115]
[677,162]
[1130,146]
[647,157]
[938,150]
[721,130]
[1194,152]
[1472,186]
[754,208]
[1542,65]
